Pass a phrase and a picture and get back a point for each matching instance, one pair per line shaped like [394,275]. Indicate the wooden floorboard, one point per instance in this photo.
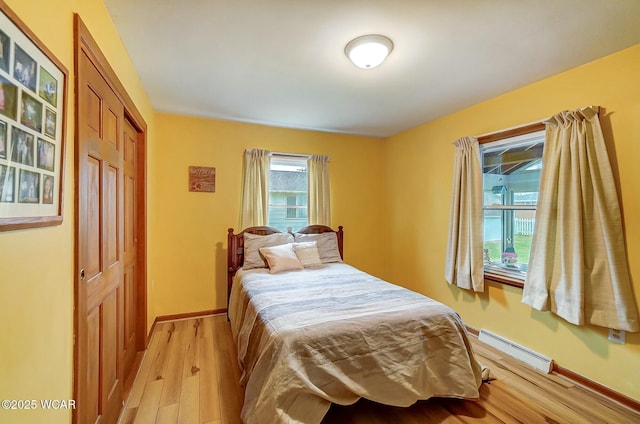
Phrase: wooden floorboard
[189,374]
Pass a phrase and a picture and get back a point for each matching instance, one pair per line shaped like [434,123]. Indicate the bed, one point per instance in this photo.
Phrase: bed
[327,332]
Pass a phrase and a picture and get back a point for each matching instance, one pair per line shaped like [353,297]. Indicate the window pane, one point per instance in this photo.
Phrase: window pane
[291,212]
[507,241]
[288,192]
[511,176]
[303,209]
[511,172]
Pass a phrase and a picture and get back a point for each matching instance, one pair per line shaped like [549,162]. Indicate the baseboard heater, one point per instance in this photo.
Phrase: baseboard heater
[534,359]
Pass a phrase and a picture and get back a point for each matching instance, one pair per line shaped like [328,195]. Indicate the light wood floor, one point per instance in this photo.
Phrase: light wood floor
[189,375]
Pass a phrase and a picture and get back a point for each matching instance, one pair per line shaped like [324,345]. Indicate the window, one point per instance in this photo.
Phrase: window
[288,186]
[292,211]
[510,179]
[297,207]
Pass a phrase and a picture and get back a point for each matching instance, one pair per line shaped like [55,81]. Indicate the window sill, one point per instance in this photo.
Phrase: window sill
[501,279]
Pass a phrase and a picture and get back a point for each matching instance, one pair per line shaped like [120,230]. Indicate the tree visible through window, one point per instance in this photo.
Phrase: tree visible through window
[288,188]
[511,176]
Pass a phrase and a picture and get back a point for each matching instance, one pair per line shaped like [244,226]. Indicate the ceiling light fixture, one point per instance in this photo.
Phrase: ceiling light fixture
[368,51]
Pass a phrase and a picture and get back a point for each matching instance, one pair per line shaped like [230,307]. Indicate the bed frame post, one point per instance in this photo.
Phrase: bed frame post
[232,261]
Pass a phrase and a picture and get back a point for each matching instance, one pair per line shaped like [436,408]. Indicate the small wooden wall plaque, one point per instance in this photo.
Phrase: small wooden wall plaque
[202,178]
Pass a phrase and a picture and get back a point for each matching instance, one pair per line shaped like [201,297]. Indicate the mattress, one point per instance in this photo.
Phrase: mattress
[334,334]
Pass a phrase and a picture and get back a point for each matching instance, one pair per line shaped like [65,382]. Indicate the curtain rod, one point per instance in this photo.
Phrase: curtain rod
[295,155]
[522,129]
[291,155]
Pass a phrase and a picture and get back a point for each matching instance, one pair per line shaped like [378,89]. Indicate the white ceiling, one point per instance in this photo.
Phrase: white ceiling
[282,62]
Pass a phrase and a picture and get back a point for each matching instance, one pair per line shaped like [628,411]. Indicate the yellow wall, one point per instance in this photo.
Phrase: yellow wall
[374,183]
[419,171]
[36,265]
[189,268]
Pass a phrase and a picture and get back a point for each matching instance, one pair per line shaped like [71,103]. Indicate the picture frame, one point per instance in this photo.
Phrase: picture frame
[33,93]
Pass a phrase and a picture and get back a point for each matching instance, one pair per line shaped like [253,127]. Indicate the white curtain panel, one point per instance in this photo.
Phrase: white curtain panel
[578,266]
[319,193]
[255,196]
[464,247]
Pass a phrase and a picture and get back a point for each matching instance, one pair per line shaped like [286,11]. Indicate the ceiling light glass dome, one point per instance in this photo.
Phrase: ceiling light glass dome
[368,51]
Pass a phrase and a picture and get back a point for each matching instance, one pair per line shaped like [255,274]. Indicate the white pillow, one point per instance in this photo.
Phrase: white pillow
[252,244]
[327,245]
[307,253]
[281,258]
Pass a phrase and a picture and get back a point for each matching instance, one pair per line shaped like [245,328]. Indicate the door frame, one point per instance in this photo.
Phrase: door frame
[84,43]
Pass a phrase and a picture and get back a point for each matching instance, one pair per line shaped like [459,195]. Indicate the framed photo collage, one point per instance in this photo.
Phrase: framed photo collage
[32,88]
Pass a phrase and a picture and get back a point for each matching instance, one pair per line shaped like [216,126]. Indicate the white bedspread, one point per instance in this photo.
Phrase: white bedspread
[335,334]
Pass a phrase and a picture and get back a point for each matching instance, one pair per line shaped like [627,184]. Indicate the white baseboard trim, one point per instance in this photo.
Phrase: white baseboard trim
[528,356]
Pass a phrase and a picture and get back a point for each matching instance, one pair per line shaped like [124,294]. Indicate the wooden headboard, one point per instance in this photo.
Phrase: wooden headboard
[235,246]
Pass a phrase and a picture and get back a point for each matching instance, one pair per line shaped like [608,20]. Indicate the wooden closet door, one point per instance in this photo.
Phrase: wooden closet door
[130,272]
[101,220]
